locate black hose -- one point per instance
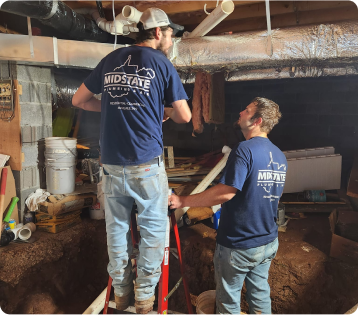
(59, 16)
(100, 9)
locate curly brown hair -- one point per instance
(269, 111)
(144, 35)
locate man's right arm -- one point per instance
(84, 99)
(180, 113)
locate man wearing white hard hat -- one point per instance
(135, 83)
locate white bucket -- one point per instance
(97, 214)
(60, 161)
(54, 158)
(205, 303)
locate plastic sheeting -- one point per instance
(65, 84)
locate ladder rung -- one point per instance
(130, 309)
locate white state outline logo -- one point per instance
(128, 77)
(270, 182)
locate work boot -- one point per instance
(122, 302)
(144, 307)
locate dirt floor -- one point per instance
(63, 273)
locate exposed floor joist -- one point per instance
(258, 10)
(285, 20)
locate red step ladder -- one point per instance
(163, 294)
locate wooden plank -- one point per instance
(10, 136)
(284, 20)
(259, 10)
(315, 208)
(217, 98)
(352, 189)
(313, 203)
(188, 172)
(170, 7)
(197, 103)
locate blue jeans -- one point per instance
(147, 186)
(233, 267)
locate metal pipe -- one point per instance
(59, 16)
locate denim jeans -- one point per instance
(233, 267)
(147, 186)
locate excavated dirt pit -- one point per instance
(63, 273)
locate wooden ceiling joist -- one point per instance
(284, 20)
(170, 7)
(258, 10)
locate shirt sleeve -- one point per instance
(94, 81)
(174, 90)
(237, 168)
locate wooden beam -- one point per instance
(285, 20)
(259, 10)
(170, 7)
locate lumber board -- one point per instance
(284, 20)
(254, 10)
(10, 136)
(197, 112)
(170, 7)
(352, 189)
(315, 208)
(313, 203)
(187, 172)
(217, 99)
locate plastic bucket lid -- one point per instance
(60, 142)
(205, 304)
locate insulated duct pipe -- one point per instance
(65, 83)
(321, 46)
(213, 19)
(59, 16)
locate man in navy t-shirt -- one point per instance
(135, 83)
(249, 190)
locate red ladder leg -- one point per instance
(164, 278)
(106, 309)
(185, 283)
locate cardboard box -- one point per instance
(59, 204)
(42, 217)
(57, 227)
(10, 192)
(344, 223)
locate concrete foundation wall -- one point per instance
(36, 124)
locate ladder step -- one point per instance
(131, 309)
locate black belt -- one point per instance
(156, 160)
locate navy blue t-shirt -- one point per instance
(257, 168)
(135, 82)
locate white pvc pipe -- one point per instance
(131, 14)
(16, 230)
(268, 17)
(119, 26)
(213, 19)
(25, 233)
(268, 20)
(98, 304)
(206, 181)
